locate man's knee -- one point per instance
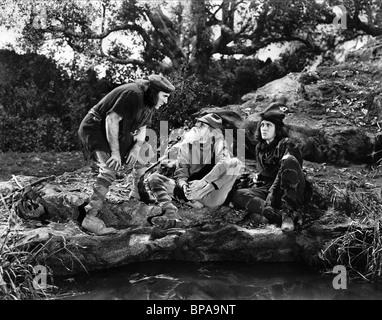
(289, 161)
(155, 179)
(241, 197)
(146, 154)
(235, 166)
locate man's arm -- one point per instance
(182, 171)
(112, 132)
(141, 136)
(221, 166)
(134, 152)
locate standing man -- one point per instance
(113, 133)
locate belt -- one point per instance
(95, 114)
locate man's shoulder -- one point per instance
(289, 141)
(128, 87)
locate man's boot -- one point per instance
(273, 215)
(169, 218)
(97, 226)
(288, 218)
(287, 224)
(137, 173)
(257, 219)
(91, 222)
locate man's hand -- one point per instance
(114, 162)
(198, 189)
(133, 155)
(197, 185)
(185, 190)
(254, 181)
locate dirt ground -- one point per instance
(54, 163)
(39, 164)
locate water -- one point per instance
(170, 280)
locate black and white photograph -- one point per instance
(191, 157)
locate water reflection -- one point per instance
(169, 280)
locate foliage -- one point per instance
(17, 271)
(30, 85)
(27, 135)
(359, 248)
(190, 96)
(42, 106)
(17, 263)
(155, 36)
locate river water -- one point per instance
(174, 280)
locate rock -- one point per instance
(334, 114)
(284, 90)
(208, 235)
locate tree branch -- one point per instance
(168, 37)
(101, 35)
(102, 54)
(249, 50)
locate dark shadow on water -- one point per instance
(174, 280)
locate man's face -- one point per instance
(162, 99)
(268, 130)
(199, 132)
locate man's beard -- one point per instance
(202, 135)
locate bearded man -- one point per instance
(205, 172)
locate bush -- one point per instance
(27, 135)
(190, 96)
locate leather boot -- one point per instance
(273, 215)
(137, 173)
(257, 219)
(97, 226)
(287, 224)
(169, 218)
(100, 189)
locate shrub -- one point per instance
(27, 135)
(190, 96)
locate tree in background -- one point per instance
(207, 48)
(41, 107)
(155, 35)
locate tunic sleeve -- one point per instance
(126, 104)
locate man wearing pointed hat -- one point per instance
(113, 133)
(205, 172)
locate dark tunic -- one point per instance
(128, 102)
(268, 157)
(279, 181)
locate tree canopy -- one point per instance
(171, 34)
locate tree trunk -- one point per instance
(202, 47)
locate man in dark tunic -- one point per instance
(280, 185)
(113, 133)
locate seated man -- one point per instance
(280, 186)
(205, 172)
